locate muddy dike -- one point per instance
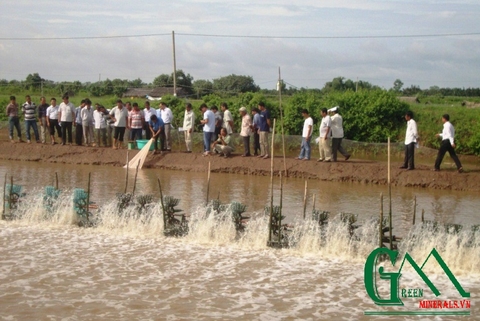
(355, 170)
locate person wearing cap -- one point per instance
(188, 125)
(255, 129)
(447, 145)
(324, 139)
(337, 135)
(208, 123)
(119, 115)
(223, 144)
(306, 136)
(246, 130)
(411, 137)
(166, 115)
(66, 117)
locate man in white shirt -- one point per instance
(245, 130)
(100, 125)
(52, 120)
(66, 116)
(337, 135)
(148, 112)
(166, 114)
(119, 115)
(208, 122)
(411, 137)
(448, 144)
(87, 123)
(305, 150)
(324, 139)
(188, 125)
(227, 118)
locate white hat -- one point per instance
(333, 109)
(243, 109)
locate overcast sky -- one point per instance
(425, 61)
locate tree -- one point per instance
(34, 81)
(162, 81)
(235, 84)
(397, 85)
(202, 87)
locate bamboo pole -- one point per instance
(305, 200)
(4, 195)
(135, 179)
(88, 195)
(313, 207)
(389, 197)
(380, 244)
(208, 183)
(280, 83)
(126, 176)
(271, 186)
(281, 206)
(10, 196)
(56, 181)
(423, 212)
(161, 202)
(414, 208)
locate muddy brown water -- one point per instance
(52, 270)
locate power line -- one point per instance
(86, 37)
(245, 36)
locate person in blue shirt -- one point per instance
(264, 130)
(255, 129)
(156, 127)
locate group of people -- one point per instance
(218, 125)
(93, 126)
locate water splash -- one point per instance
(461, 250)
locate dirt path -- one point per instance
(358, 171)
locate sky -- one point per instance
(355, 39)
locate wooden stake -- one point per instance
(126, 176)
(208, 183)
(313, 208)
(56, 181)
(281, 205)
(135, 179)
(4, 196)
(10, 196)
(271, 186)
(414, 208)
(380, 244)
(423, 212)
(280, 82)
(161, 202)
(389, 198)
(88, 196)
(305, 200)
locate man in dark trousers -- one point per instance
(411, 137)
(448, 144)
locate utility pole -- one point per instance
(174, 66)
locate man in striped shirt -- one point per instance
(29, 111)
(136, 120)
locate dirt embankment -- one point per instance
(354, 170)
